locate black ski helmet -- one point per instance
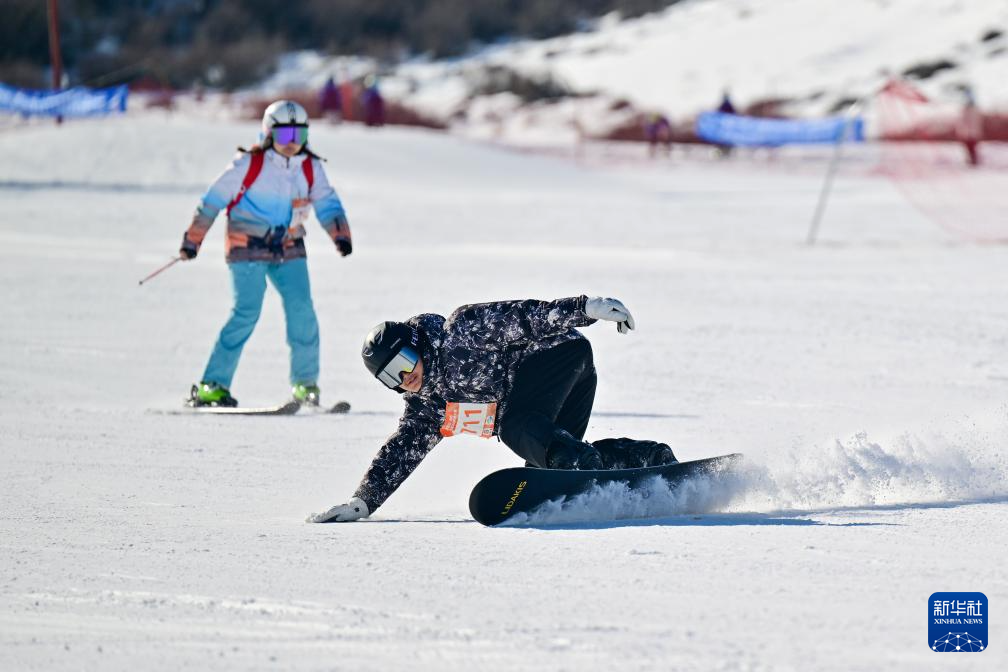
(384, 342)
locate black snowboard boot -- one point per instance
(661, 454)
(566, 452)
(625, 453)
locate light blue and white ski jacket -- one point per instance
(267, 222)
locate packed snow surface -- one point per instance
(864, 379)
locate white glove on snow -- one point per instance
(342, 513)
(613, 310)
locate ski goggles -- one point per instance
(285, 135)
(404, 362)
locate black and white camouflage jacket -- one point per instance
(472, 358)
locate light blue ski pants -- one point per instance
(249, 280)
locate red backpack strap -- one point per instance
(309, 171)
(255, 167)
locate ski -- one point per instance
(336, 409)
(507, 492)
(288, 408)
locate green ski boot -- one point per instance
(211, 394)
(306, 393)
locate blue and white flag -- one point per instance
(734, 129)
(79, 101)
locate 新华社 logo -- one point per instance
(957, 622)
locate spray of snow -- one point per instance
(903, 470)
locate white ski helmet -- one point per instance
(282, 113)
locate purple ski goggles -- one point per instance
(285, 135)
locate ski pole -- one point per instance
(163, 268)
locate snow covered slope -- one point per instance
(813, 56)
(814, 52)
(680, 60)
(865, 378)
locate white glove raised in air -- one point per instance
(613, 310)
(342, 513)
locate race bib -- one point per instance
(301, 208)
(472, 419)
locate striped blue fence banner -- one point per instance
(79, 101)
(734, 129)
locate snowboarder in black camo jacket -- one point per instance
(517, 370)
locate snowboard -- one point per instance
(507, 492)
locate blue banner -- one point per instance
(733, 129)
(79, 101)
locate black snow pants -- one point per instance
(555, 389)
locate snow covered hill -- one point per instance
(812, 56)
(816, 53)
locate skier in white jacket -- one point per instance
(267, 193)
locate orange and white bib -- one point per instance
(469, 419)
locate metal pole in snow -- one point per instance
(813, 231)
(55, 55)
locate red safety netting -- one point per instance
(938, 155)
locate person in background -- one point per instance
(726, 107)
(329, 100)
(969, 127)
(373, 103)
(267, 193)
(659, 135)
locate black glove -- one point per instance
(342, 236)
(566, 452)
(188, 249)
